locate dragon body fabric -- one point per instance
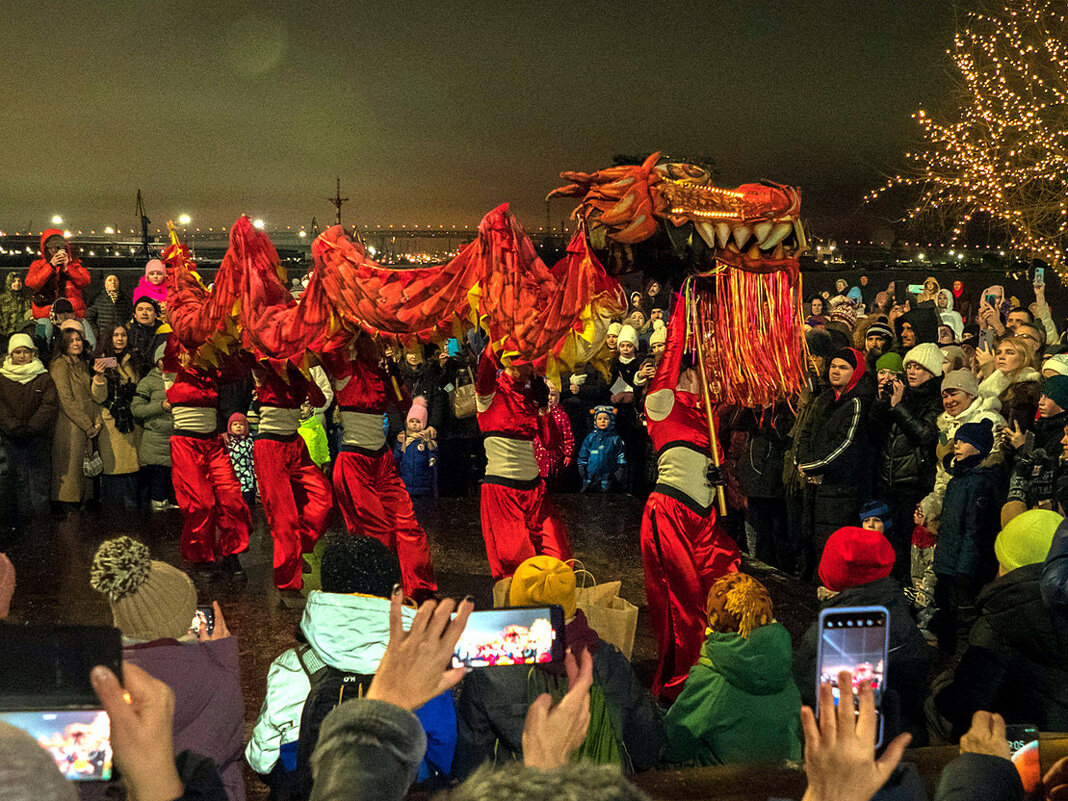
(550, 317)
(738, 249)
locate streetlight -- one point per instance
(257, 224)
(57, 220)
(109, 230)
(184, 219)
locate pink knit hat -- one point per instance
(155, 266)
(418, 410)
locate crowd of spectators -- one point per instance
(922, 470)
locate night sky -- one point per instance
(435, 116)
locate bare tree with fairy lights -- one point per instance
(1001, 152)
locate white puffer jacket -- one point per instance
(982, 408)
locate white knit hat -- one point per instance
(628, 334)
(614, 328)
(1057, 363)
(659, 335)
(20, 341)
(928, 356)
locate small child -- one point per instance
(924, 535)
(602, 456)
(314, 433)
(877, 516)
(239, 446)
(555, 453)
(416, 452)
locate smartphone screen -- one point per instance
(1023, 744)
(1040, 276)
(915, 289)
(854, 639)
(516, 636)
(79, 740)
(47, 667)
(205, 615)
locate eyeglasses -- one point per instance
(1027, 336)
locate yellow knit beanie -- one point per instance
(542, 580)
(1026, 539)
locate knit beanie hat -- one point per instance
(1027, 538)
(879, 328)
(659, 335)
(73, 324)
(890, 361)
(928, 356)
(603, 409)
(155, 266)
(1057, 363)
(962, 380)
(854, 556)
(542, 580)
(354, 563)
(27, 771)
(236, 417)
(20, 341)
(418, 410)
(979, 435)
(738, 602)
(614, 329)
(63, 306)
(819, 343)
(149, 600)
(954, 354)
(1056, 389)
(628, 334)
(881, 510)
(844, 311)
(847, 355)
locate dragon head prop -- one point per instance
(754, 227)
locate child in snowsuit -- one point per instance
(314, 433)
(239, 447)
(416, 453)
(602, 456)
(924, 536)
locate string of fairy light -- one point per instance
(1003, 155)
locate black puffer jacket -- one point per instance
(760, 465)
(907, 435)
(906, 671)
(1035, 471)
(104, 313)
(1016, 663)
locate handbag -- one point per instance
(463, 399)
(92, 464)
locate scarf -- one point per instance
(113, 294)
(22, 373)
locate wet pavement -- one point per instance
(52, 559)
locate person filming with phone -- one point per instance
(116, 371)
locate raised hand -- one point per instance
(1055, 782)
(986, 736)
(840, 749)
(552, 733)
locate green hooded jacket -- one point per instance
(740, 703)
(14, 306)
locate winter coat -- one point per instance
(908, 434)
(981, 409)
(1055, 574)
(313, 433)
(833, 449)
(47, 283)
(243, 461)
(1016, 662)
(104, 313)
(120, 438)
(143, 340)
(949, 316)
(348, 632)
(558, 448)
(979, 777)
(14, 306)
(493, 708)
(209, 709)
(970, 523)
(416, 460)
(1018, 395)
(759, 468)
(78, 416)
(906, 671)
(28, 410)
(601, 455)
(157, 423)
(1034, 473)
(739, 704)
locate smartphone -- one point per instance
(47, 667)
(105, 362)
(512, 636)
(992, 300)
(915, 289)
(857, 639)
(79, 740)
(1040, 276)
(900, 292)
(1023, 745)
(452, 347)
(205, 615)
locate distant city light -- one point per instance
(67, 234)
(302, 234)
(371, 249)
(184, 219)
(57, 220)
(257, 224)
(109, 230)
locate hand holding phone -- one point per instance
(203, 621)
(512, 636)
(1040, 277)
(854, 640)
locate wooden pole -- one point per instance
(721, 496)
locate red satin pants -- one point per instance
(518, 524)
(683, 554)
(374, 502)
(210, 499)
(297, 500)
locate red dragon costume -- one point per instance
(369, 490)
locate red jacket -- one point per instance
(505, 407)
(273, 390)
(358, 386)
(49, 284)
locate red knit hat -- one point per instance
(855, 556)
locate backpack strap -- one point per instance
(310, 661)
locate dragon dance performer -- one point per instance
(683, 553)
(518, 518)
(205, 485)
(369, 490)
(297, 498)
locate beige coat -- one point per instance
(78, 416)
(118, 451)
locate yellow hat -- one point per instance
(1026, 539)
(543, 580)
